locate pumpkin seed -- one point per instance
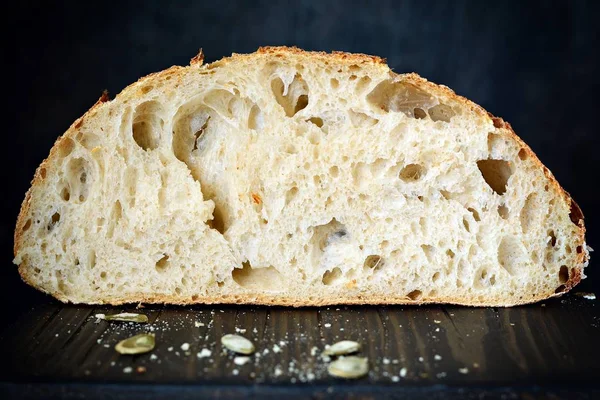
(352, 367)
(125, 317)
(137, 344)
(238, 344)
(341, 348)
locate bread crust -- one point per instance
(503, 127)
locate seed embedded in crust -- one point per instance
(341, 348)
(352, 367)
(137, 344)
(124, 317)
(237, 344)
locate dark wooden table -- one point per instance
(547, 350)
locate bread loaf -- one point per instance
(296, 178)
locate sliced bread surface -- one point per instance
(296, 178)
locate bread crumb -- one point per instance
(241, 360)
(278, 371)
(403, 372)
(170, 348)
(386, 360)
(395, 378)
(420, 359)
(276, 349)
(153, 357)
(140, 369)
(328, 325)
(464, 370)
(185, 346)
(127, 370)
(440, 375)
(437, 357)
(586, 295)
(235, 372)
(435, 321)
(198, 324)
(204, 353)
(240, 330)
(314, 350)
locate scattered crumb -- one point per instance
(87, 372)
(437, 329)
(475, 365)
(420, 359)
(586, 295)
(314, 351)
(170, 348)
(255, 330)
(327, 325)
(386, 360)
(241, 360)
(112, 363)
(204, 353)
(463, 370)
(440, 375)
(198, 324)
(153, 357)
(512, 324)
(437, 357)
(435, 321)
(278, 371)
(235, 372)
(276, 349)
(240, 330)
(140, 369)
(395, 378)
(185, 346)
(127, 370)
(106, 345)
(403, 372)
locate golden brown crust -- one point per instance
(576, 271)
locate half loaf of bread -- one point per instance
(296, 178)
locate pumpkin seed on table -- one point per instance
(124, 317)
(352, 367)
(237, 344)
(137, 344)
(341, 348)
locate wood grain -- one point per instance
(550, 345)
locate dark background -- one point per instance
(533, 63)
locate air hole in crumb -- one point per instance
(331, 277)
(429, 252)
(147, 125)
(495, 173)
(419, 113)
(441, 112)
(523, 155)
(290, 195)
(334, 83)
(450, 253)
(563, 274)
(103, 274)
(53, 221)
(466, 225)
(579, 249)
(475, 214)
(412, 173)
(43, 173)
(552, 238)
(435, 277)
(575, 214)
(503, 211)
(163, 263)
(28, 225)
(295, 98)
(220, 283)
(352, 77)
(258, 278)
(334, 171)
(568, 249)
(414, 295)
(560, 289)
(64, 193)
(65, 147)
(373, 262)
(317, 121)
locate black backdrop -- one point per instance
(533, 63)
